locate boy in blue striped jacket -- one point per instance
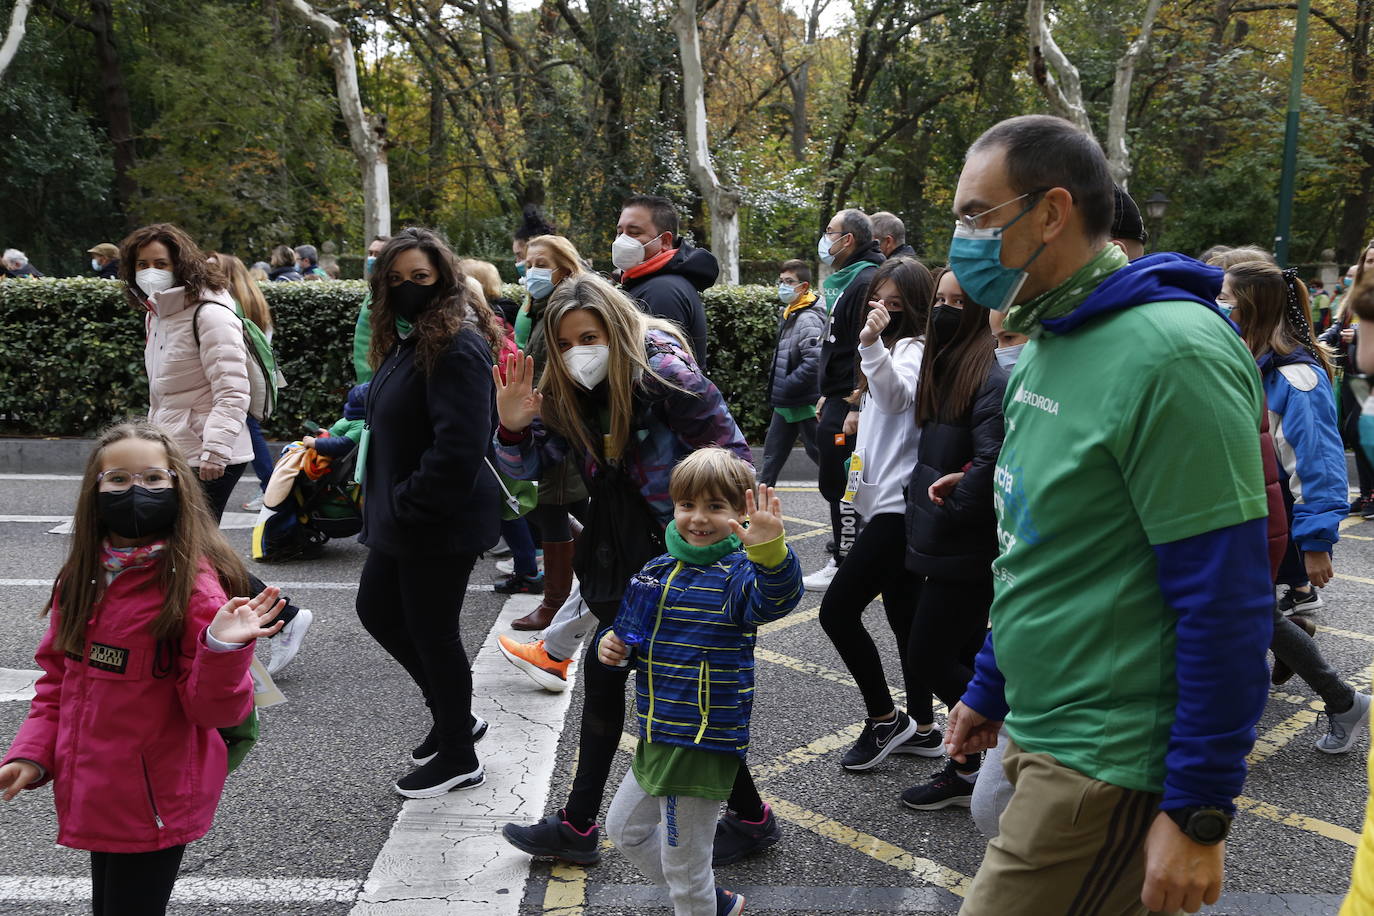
(695, 683)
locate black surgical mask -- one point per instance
(138, 512)
(944, 323)
(409, 299)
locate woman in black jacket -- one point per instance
(430, 501)
(951, 525)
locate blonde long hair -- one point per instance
(561, 251)
(1272, 308)
(194, 537)
(627, 329)
(244, 289)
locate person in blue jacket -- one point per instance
(1270, 308)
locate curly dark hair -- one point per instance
(438, 325)
(189, 265)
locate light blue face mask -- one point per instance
(368, 264)
(787, 293)
(1225, 308)
(823, 250)
(539, 282)
(975, 256)
(1007, 356)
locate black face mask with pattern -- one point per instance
(138, 512)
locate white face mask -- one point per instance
(1007, 356)
(95, 265)
(627, 252)
(588, 364)
(151, 280)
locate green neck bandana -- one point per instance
(833, 286)
(404, 328)
(679, 549)
(1067, 296)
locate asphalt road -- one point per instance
(310, 810)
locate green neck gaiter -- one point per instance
(679, 549)
(1067, 296)
(404, 328)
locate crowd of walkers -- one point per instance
(1093, 622)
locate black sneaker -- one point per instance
(1360, 504)
(1368, 509)
(877, 740)
(516, 584)
(1301, 603)
(737, 839)
(440, 776)
(555, 838)
(947, 788)
(425, 751)
(931, 744)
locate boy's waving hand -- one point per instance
(765, 518)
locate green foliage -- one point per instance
(71, 353)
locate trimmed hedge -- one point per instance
(71, 353)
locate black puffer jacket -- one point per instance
(427, 490)
(959, 539)
(674, 292)
(839, 353)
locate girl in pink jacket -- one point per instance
(143, 660)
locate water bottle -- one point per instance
(638, 607)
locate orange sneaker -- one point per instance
(531, 658)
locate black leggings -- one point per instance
(410, 605)
(833, 448)
(217, 492)
(551, 521)
(603, 719)
(133, 883)
(876, 565)
(950, 626)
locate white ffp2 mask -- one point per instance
(588, 364)
(152, 280)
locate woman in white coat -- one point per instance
(197, 365)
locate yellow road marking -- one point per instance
(1357, 537)
(1294, 819)
(805, 521)
(1355, 578)
(1351, 522)
(1278, 737)
(920, 867)
(1348, 634)
(824, 529)
(792, 620)
(566, 892)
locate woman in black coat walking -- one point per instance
(951, 524)
(430, 501)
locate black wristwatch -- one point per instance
(1205, 826)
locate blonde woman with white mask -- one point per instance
(622, 396)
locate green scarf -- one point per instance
(679, 549)
(1067, 296)
(833, 286)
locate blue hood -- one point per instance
(356, 406)
(1271, 361)
(1163, 277)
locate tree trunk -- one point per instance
(366, 133)
(10, 47)
(1052, 70)
(118, 111)
(1118, 153)
(1355, 214)
(723, 201)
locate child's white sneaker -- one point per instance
(288, 642)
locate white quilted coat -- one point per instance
(199, 396)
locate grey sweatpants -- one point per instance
(1293, 645)
(992, 791)
(574, 620)
(670, 840)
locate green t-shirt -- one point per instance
(797, 414)
(1140, 428)
(362, 340)
(667, 769)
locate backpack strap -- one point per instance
(195, 318)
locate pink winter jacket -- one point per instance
(199, 396)
(127, 732)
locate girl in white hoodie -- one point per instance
(890, 349)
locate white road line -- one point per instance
(40, 476)
(17, 684)
(58, 889)
(284, 586)
(446, 855)
(41, 519)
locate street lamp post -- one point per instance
(1290, 139)
(1155, 206)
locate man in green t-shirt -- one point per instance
(1134, 603)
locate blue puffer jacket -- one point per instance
(1302, 418)
(796, 377)
(695, 683)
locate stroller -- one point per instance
(309, 500)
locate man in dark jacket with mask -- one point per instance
(890, 233)
(849, 247)
(663, 273)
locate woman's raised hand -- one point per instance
(517, 400)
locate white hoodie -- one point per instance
(888, 435)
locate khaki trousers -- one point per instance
(1068, 845)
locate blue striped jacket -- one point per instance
(695, 673)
